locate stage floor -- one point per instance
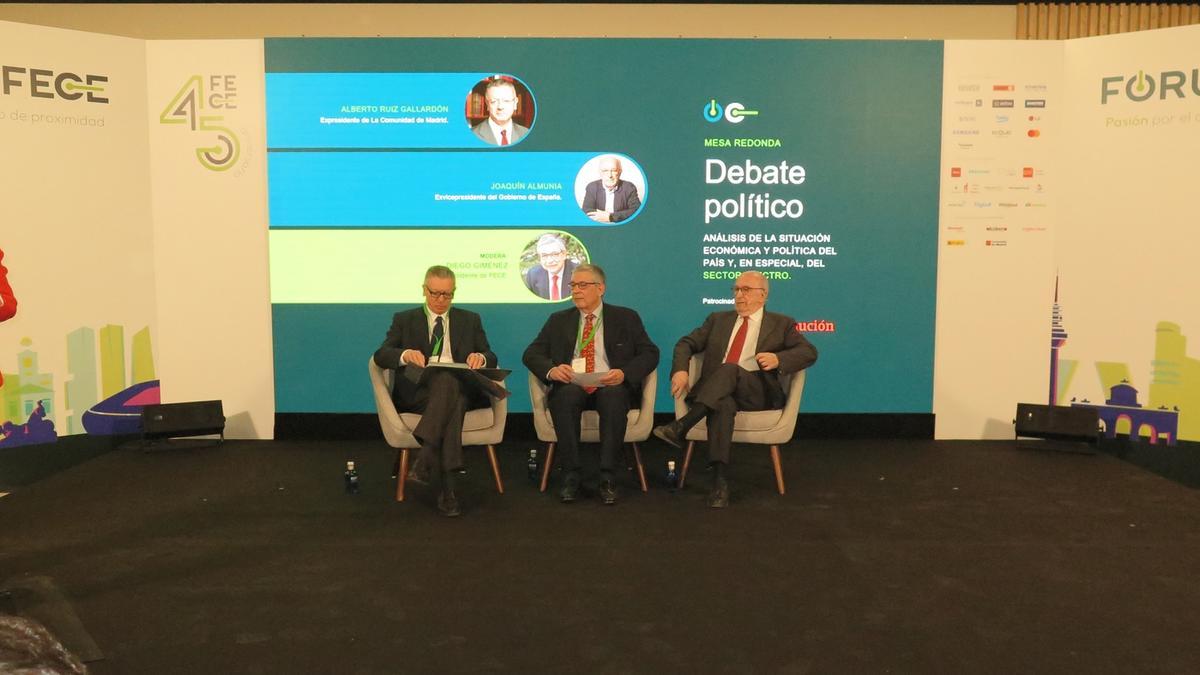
(883, 556)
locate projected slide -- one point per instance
(514, 161)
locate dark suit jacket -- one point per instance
(626, 345)
(484, 131)
(410, 330)
(538, 280)
(777, 335)
(625, 201)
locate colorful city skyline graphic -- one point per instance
(1174, 387)
(104, 386)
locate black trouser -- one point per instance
(443, 401)
(567, 403)
(724, 392)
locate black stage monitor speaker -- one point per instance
(169, 420)
(1069, 428)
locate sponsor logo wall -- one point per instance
(1065, 265)
(999, 201)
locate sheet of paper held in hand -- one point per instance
(589, 379)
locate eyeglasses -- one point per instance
(582, 284)
(746, 289)
(552, 254)
(439, 295)
(501, 101)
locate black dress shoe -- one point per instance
(419, 471)
(569, 492)
(671, 433)
(608, 493)
(448, 504)
(718, 497)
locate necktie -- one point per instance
(589, 349)
(504, 137)
(739, 341)
(554, 291)
(439, 333)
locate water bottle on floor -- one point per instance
(672, 477)
(532, 465)
(351, 479)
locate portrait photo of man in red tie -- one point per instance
(550, 275)
(508, 107)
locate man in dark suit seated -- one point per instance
(591, 337)
(436, 332)
(551, 277)
(610, 199)
(745, 351)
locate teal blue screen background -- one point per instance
(862, 117)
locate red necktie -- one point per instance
(739, 341)
(504, 137)
(554, 291)
(589, 350)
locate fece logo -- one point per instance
(733, 113)
(187, 107)
(1142, 86)
(45, 83)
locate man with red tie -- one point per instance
(499, 128)
(591, 337)
(745, 351)
(551, 277)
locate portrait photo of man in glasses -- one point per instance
(550, 276)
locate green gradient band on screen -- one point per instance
(386, 266)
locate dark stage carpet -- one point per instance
(884, 557)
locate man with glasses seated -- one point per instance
(591, 337)
(551, 277)
(436, 332)
(499, 128)
(745, 351)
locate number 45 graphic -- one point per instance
(187, 108)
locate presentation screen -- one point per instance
(675, 165)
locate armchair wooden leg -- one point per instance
(778, 468)
(687, 459)
(400, 477)
(547, 463)
(495, 469)
(637, 457)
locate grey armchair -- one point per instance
(480, 427)
(766, 427)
